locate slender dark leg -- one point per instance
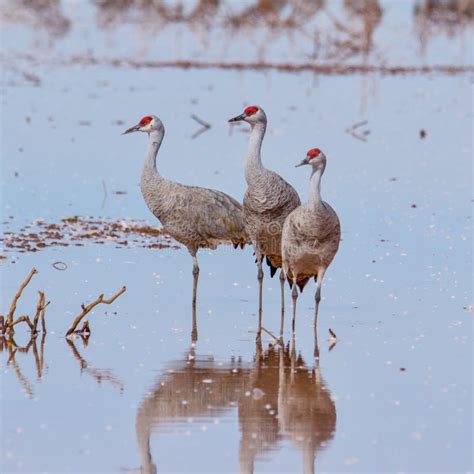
(194, 332)
(294, 295)
(319, 280)
(260, 290)
(282, 324)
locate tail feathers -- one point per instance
(272, 268)
(301, 283)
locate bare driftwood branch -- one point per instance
(88, 308)
(43, 321)
(17, 297)
(22, 319)
(40, 307)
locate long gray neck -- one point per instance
(315, 187)
(155, 138)
(253, 161)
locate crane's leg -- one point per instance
(260, 290)
(282, 284)
(294, 295)
(319, 280)
(194, 333)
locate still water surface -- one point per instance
(393, 395)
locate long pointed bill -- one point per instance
(135, 128)
(238, 118)
(304, 162)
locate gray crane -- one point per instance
(196, 217)
(311, 236)
(267, 202)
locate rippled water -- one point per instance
(393, 395)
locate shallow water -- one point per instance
(393, 395)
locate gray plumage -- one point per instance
(196, 217)
(268, 201)
(311, 235)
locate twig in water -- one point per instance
(88, 308)
(277, 340)
(21, 319)
(352, 130)
(204, 126)
(16, 298)
(332, 339)
(104, 187)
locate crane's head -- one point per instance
(147, 124)
(316, 158)
(252, 115)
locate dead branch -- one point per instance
(43, 321)
(39, 306)
(17, 297)
(88, 308)
(200, 121)
(204, 126)
(22, 319)
(352, 130)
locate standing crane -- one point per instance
(310, 238)
(196, 217)
(267, 202)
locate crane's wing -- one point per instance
(211, 215)
(271, 196)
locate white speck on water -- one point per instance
(207, 381)
(417, 435)
(351, 461)
(268, 406)
(184, 402)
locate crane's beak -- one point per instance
(304, 162)
(238, 118)
(135, 128)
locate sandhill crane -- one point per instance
(267, 202)
(196, 217)
(311, 236)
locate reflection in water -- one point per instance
(278, 397)
(449, 17)
(339, 32)
(9, 344)
(100, 375)
(40, 14)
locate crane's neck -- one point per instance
(253, 160)
(315, 187)
(155, 138)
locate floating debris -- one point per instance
(76, 231)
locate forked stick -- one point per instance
(88, 308)
(17, 297)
